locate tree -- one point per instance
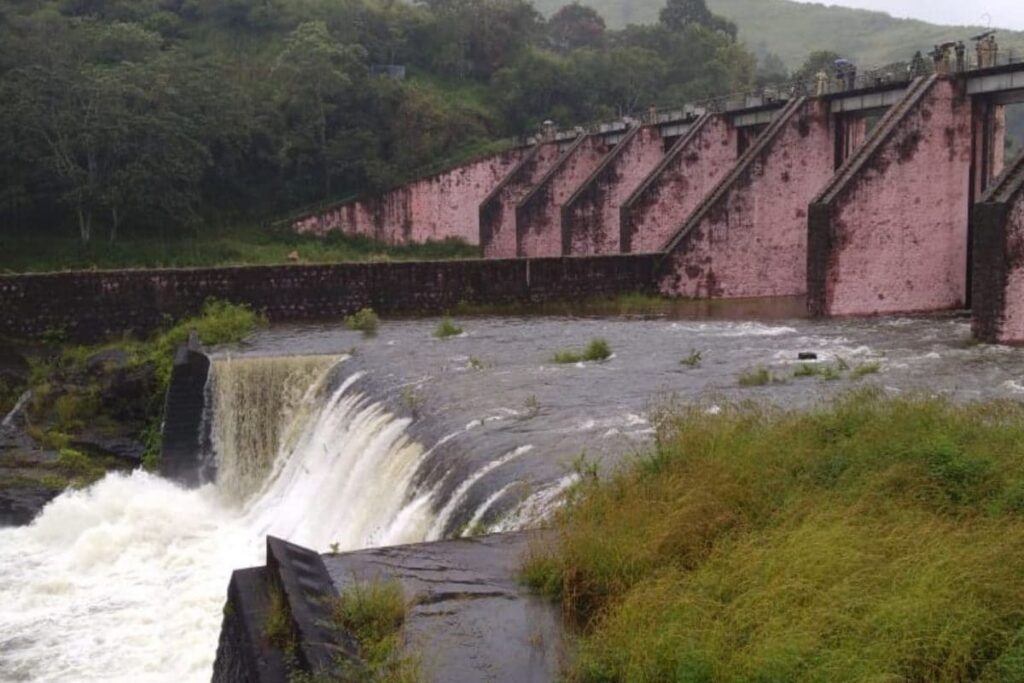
(316, 75)
(822, 60)
(575, 26)
(679, 14)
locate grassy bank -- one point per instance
(231, 248)
(874, 539)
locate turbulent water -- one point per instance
(409, 438)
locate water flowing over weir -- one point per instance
(125, 580)
(410, 438)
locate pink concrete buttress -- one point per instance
(889, 233)
(497, 211)
(539, 213)
(590, 218)
(434, 208)
(749, 238)
(678, 184)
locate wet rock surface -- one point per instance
(471, 619)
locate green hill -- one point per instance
(792, 30)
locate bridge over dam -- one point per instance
(888, 195)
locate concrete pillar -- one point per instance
(590, 218)
(539, 215)
(998, 253)
(439, 206)
(497, 212)
(889, 233)
(748, 239)
(678, 184)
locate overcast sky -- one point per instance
(1003, 13)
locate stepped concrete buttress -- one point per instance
(678, 184)
(889, 232)
(749, 237)
(539, 213)
(998, 254)
(590, 218)
(434, 208)
(497, 211)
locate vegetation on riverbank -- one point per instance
(255, 246)
(100, 407)
(872, 539)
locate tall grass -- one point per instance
(871, 540)
(373, 613)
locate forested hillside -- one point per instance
(130, 118)
(791, 30)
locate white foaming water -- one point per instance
(125, 581)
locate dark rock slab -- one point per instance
(243, 653)
(472, 620)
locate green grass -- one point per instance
(597, 350)
(364, 320)
(257, 246)
(447, 328)
(872, 539)
(374, 613)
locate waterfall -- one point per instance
(125, 580)
(257, 407)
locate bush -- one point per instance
(446, 328)
(597, 350)
(365, 320)
(693, 360)
(871, 539)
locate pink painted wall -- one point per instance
(1012, 326)
(539, 215)
(497, 212)
(753, 241)
(677, 186)
(899, 228)
(434, 208)
(590, 220)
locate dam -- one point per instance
(336, 442)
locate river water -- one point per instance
(329, 438)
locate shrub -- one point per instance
(597, 350)
(693, 360)
(446, 328)
(807, 370)
(364, 320)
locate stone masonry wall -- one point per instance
(752, 242)
(92, 305)
(897, 232)
(497, 212)
(689, 171)
(441, 206)
(590, 220)
(539, 214)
